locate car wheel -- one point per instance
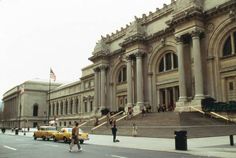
(43, 138)
(64, 139)
(54, 138)
(35, 138)
(81, 141)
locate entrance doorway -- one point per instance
(122, 102)
(168, 97)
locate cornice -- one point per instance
(160, 34)
(218, 10)
(190, 14)
(132, 40)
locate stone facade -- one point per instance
(173, 57)
(26, 104)
(74, 101)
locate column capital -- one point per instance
(96, 69)
(103, 67)
(196, 34)
(179, 39)
(128, 57)
(139, 54)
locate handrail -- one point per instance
(211, 113)
(197, 109)
(106, 121)
(218, 115)
(84, 123)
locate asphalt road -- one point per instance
(26, 147)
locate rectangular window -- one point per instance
(231, 86)
(91, 105)
(85, 107)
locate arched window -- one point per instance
(168, 62)
(35, 110)
(122, 75)
(230, 45)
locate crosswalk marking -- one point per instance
(118, 156)
(5, 146)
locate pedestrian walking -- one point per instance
(75, 139)
(114, 131)
(134, 130)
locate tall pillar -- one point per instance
(150, 86)
(129, 82)
(232, 43)
(199, 94)
(96, 88)
(103, 76)
(181, 69)
(139, 84)
(51, 109)
(59, 107)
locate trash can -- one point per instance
(181, 140)
(16, 131)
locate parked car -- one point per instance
(45, 132)
(65, 134)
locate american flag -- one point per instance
(52, 75)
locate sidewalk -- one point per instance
(210, 146)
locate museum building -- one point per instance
(172, 57)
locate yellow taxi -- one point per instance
(45, 132)
(65, 134)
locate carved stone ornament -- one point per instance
(134, 29)
(101, 48)
(210, 27)
(232, 15)
(182, 5)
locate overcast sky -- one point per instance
(38, 34)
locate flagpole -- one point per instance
(49, 91)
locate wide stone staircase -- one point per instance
(164, 124)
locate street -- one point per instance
(25, 147)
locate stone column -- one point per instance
(51, 109)
(129, 82)
(181, 69)
(232, 43)
(150, 86)
(174, 95)
(96, 88)
(103, 85)
(139, 77)
(199, 94)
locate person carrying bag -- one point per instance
(75, 139)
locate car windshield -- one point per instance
(69, 129)
(51, 129)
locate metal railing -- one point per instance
(213, 114)
(106, 121)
